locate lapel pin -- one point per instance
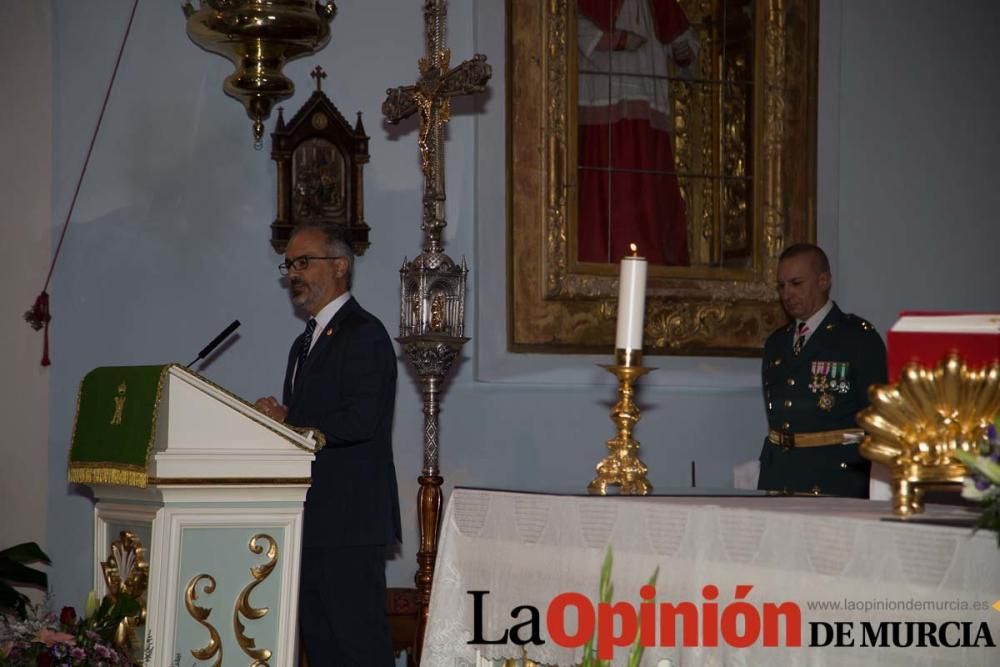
(329, 332)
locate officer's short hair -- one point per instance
(799, 249)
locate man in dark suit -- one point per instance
(816, 374)
(341, 379)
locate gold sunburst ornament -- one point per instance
(126, 572)
(917, 426)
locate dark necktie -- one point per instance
(306, 344)
(800, 338)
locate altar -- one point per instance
(746, 580)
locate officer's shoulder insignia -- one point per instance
(859, 322)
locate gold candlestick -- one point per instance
(622, 466)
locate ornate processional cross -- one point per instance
(431, 97)
(432, 298)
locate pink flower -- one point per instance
(50, 637)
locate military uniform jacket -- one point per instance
(821, 389)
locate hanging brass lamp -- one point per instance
(259, 37)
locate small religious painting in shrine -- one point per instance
(319, 177)
(320, 160)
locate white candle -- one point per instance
(631, 302)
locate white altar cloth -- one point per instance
(526, 548)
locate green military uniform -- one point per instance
(821, 389)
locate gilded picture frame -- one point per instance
(558, 304)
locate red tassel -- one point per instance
(45, 347)
(38, 317)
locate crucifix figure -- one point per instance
(432, 299)
(431, 97)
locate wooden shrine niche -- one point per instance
(320, 160)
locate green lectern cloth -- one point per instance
(115, 425)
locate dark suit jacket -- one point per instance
(347, 389)
(846, 355)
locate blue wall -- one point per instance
(170, 237)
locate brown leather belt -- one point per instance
(816, 439)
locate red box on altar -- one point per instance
(928, 337)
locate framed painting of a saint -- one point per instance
(628, 186)
(686, 127)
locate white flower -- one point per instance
(971, 490)
(989, 469)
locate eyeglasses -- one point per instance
(300, 263)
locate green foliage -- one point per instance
(635, 655)
(983, 483)
(14, 572)
(111, 612)
(606, 593)
(606, 590)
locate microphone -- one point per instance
(215, 342)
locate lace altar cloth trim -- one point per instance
(527, 548)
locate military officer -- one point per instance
(816, 373)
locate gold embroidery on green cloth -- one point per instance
(119, 404)
(113, 438)
(116, 450)
(80, 473)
